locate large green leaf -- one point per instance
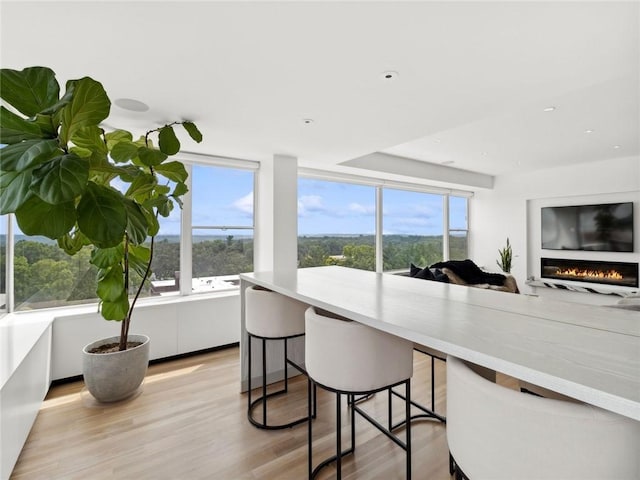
(139, 256)
(73, 242)
(14, 190)
(124, 151)
(90, 105)
(161, 203)
(31, 90)
(116, 310)
(179, 190)
(107, 257)
(117, 136)
(102, 216)
(111, 283)
(61, 179)
(48, 125)
(100, 165)
(14, 129)
(141, 186)
(27, 154)
(167, 140)
(162, 189)
(54, 110)
(136, 222)
(151, 157)
(89, 138)
(152, 221)
(174, 171)
(193, 131)
(36, 217)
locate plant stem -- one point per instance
(127, 321)
(124, 325)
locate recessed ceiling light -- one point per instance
(307, 121)
(616, 146)
(549, 109)
(389, 75)
(588, 131)
(131, 104)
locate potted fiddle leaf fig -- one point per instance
(65, 177)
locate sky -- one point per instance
(224, 197)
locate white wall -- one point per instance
(177, 325)
(503, 211)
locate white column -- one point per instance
(379, 231)
(276, 237)
(445, 227)
(276, 249)
(186, 237)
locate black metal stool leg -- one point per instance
(433, 382)
(253, 404)
(264, 381)
(338, 436)
(353, 424)
(407, 408)
(310, 426)
(250, 338)
(286, 367)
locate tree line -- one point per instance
(46, 276)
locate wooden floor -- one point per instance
(189, 422)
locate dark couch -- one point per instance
(465, 272)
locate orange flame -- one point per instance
(596, 274)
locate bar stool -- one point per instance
(427, 413)
(499, 433)
(270, 316)
(347, 357)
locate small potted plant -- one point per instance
(66, 178)
(506, 254)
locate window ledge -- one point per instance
(20, 331)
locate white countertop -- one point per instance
(586, 352)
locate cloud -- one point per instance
(244, 204)
(310, 204)
(362, 209)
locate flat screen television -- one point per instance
(606, 227)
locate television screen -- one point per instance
(606, 227)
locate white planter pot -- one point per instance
(110, 377)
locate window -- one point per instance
(458, 228)
(165, 264)
(45, 276)
(222, 226)
(222, 247)
(336, 224)
(412, 228)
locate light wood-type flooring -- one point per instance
(189, 422)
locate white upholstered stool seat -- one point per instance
(270, 316)
(497, 433)
(347, 357)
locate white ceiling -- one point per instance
(473, 77)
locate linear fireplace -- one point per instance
(610, 273)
